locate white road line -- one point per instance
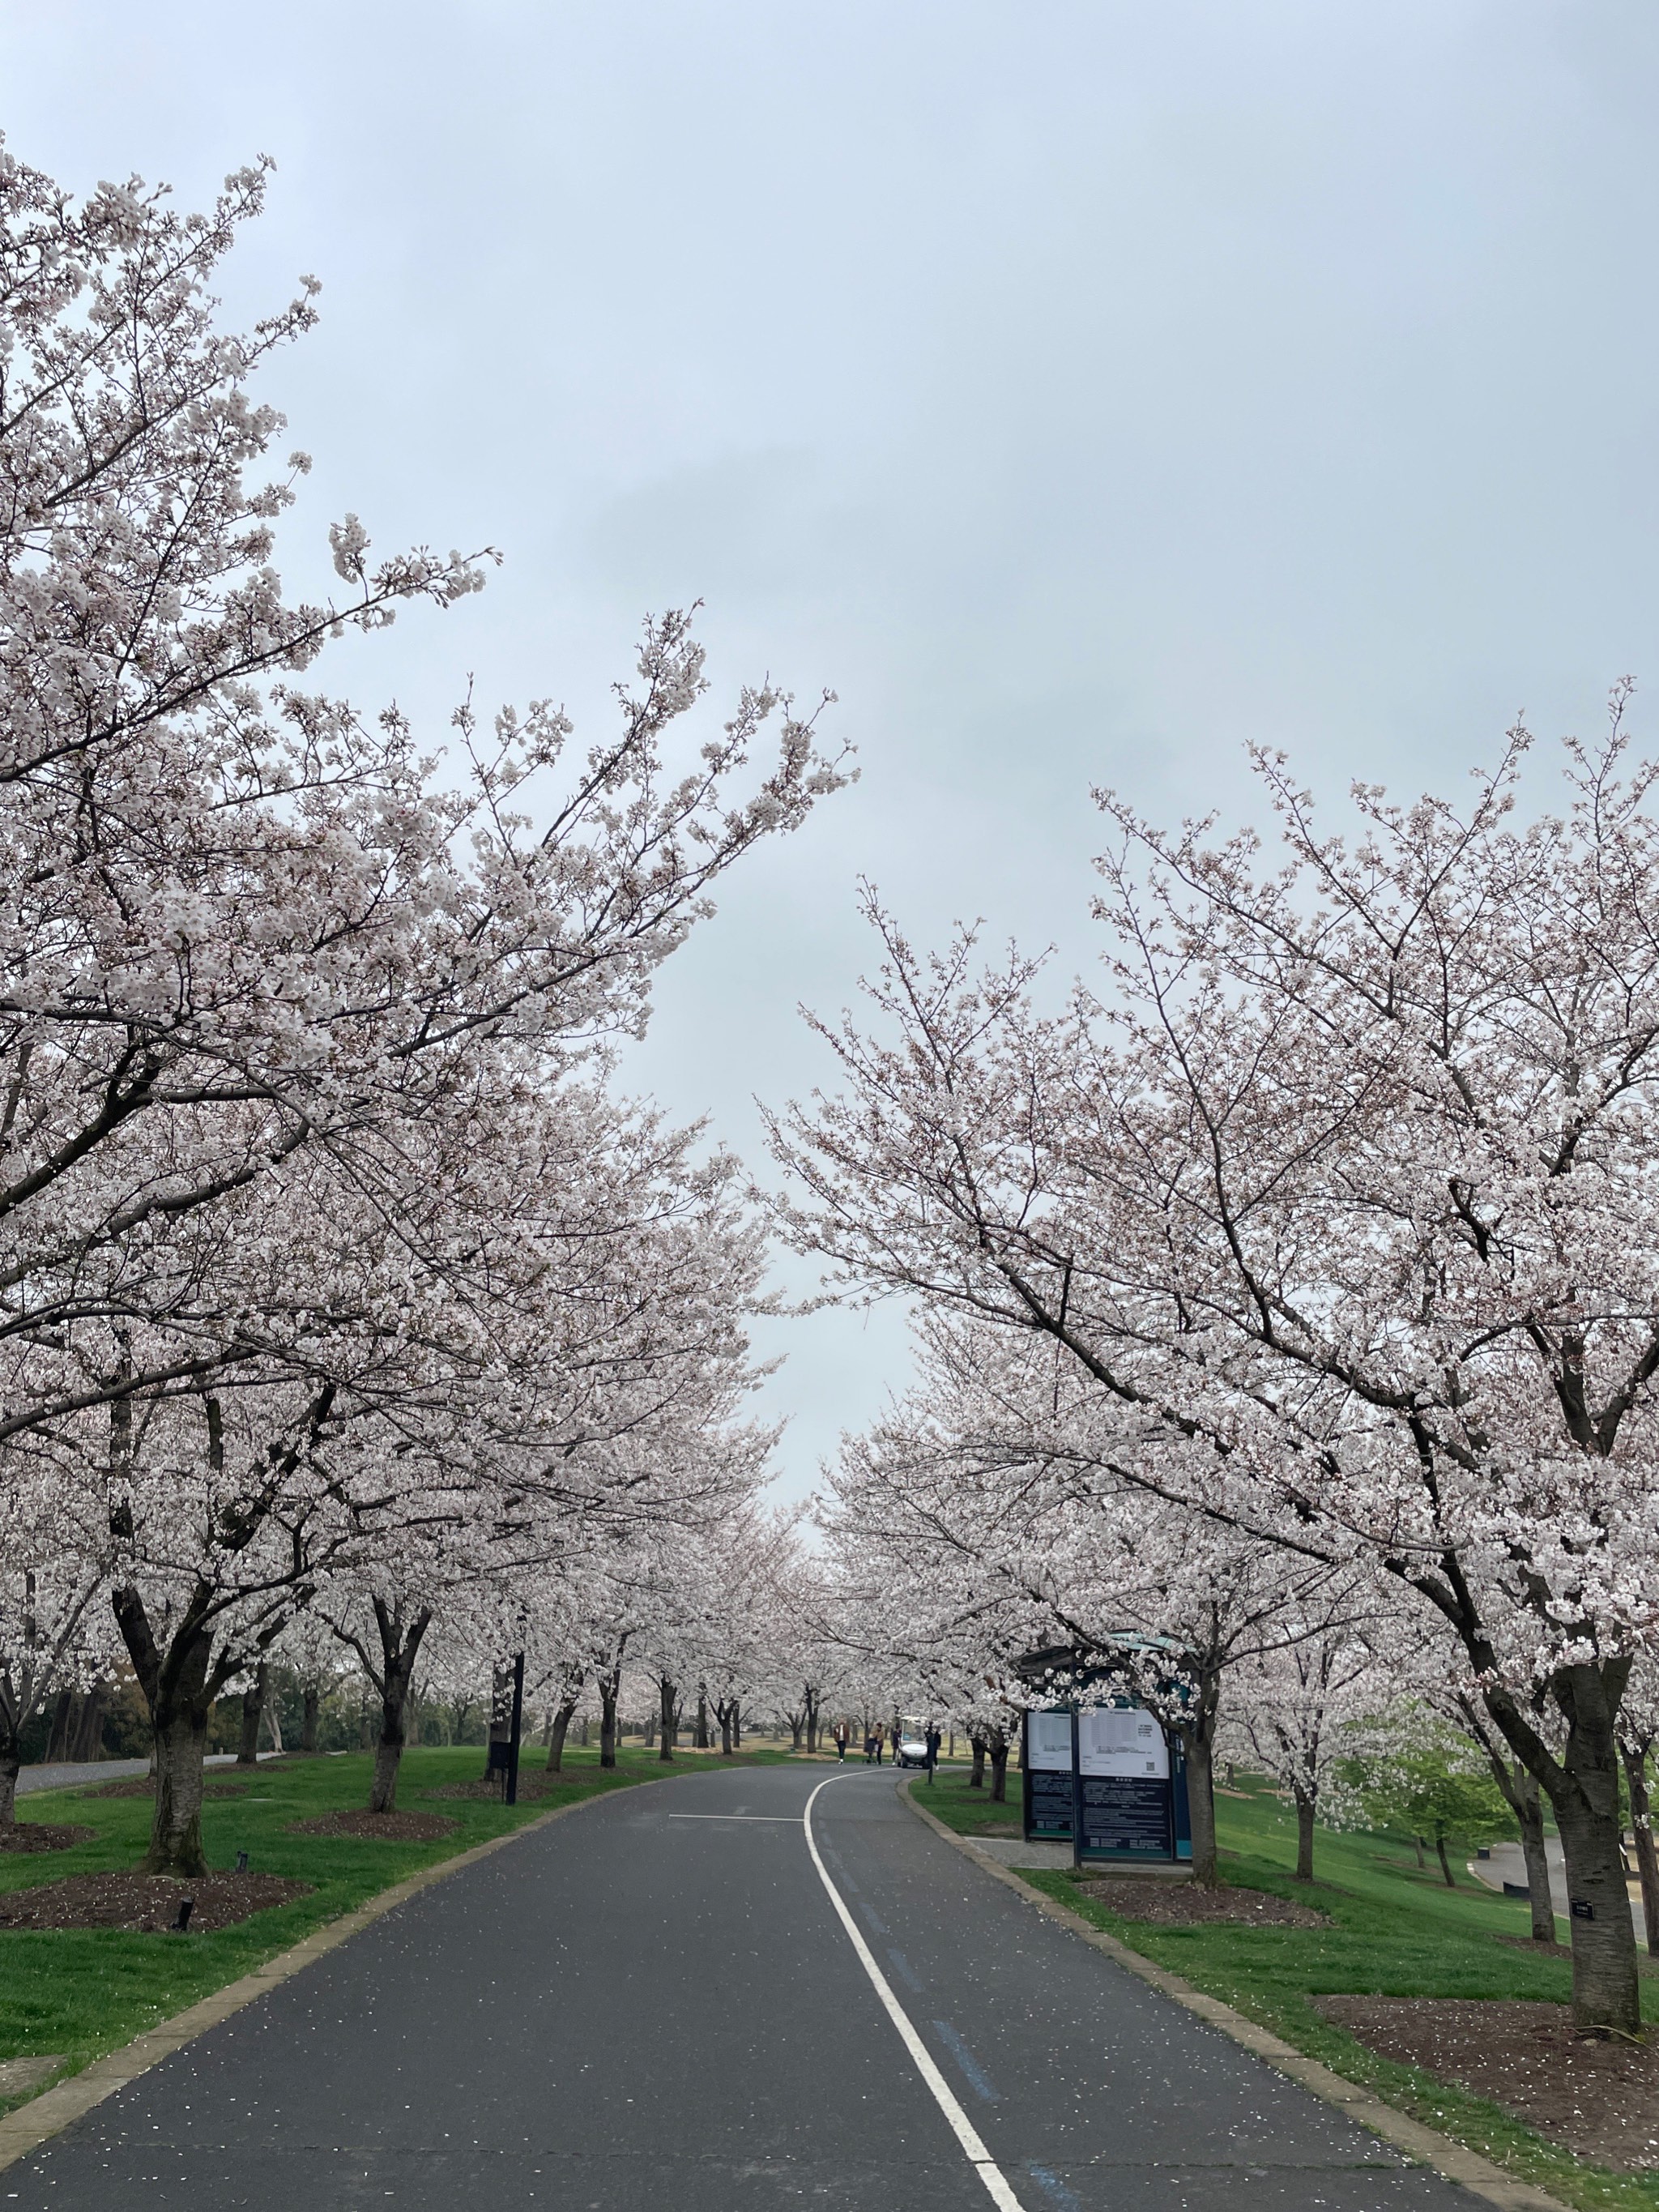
(777, 1820)
(962, 2128)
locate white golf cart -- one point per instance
(912, 1740)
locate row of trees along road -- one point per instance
(340, 1291)
(1299, 1285)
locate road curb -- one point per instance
(1426, 2145)
(52, 2110)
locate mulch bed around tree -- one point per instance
(378, 1827)
(1599, 2098)
(43, 1836)
(530, 1785)
(143, 1785)
(146, 1902)
(1180, 1905)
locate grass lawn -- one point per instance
(1396, 1932)
(970, 1812)
(83, 1992)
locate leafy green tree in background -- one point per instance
(1415, 1775)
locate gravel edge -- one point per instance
(1452, 2160)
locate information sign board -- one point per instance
(1046, 1784)
(1108, 1779)
(1121, 1741)
(1124, 1816)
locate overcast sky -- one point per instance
(1081, 388)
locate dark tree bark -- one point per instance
(1304, 1834)
(700, 1732)
(609, 1685)
(1197, 1733)
(88, 1743)
(312, 1705)
(63, 1721)
(389, 1664)
(253, 1706)
(1521, 1792)
(181, 1678)
(998, 1747)
(809, 1703)
(1529, 1814)
(180, 1683)
(1641, 1820)
(1583, 1788)
(667, 1711)
(1445, 1864)
(976, 1771)
(558, 1732)
(796, 1730)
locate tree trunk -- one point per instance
(811, 1701)
(1605, 1993)
(666, 1696)
(557, 1733)
(976, 1771)
(1440, 1853)
(1304, 1834)
(609, 1685)
(737, 1724)
(700, 1734)
(9, 1765)
(179, 1685)
(1422, 1863)
(89, 1729)
(1641, 1820)
(175, 1838)
(1529, 1814)
(1521, 1794)
(1197, 1739)
(400, 1647)
(999, 1750)
(58, 1737)
(313, 1707)
(796, 1730)
(253, 1704)
(1583, 1788)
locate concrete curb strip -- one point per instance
(50, 2113)
(1427, 2145)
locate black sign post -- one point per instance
(517, 1730)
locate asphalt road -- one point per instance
(653, 2006)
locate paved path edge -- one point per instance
(31, 2125)
(1427, 2145)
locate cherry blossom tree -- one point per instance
(245, 918)
(1338, 1194)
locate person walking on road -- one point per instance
(840, 1741)
(934, 1741)
(869, 1748)
(881, 1745)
